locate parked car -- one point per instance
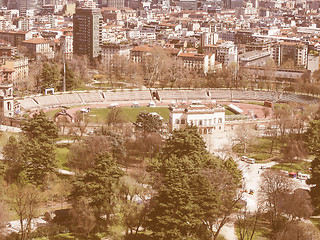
(114, 105)
(152, 104)
(135, 105)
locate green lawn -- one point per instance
(255, 103)
(99, 115)
(61, 156)
(228, 112)
(259, 149)
(261, 232)
(316, 222)
(51, 114)
(302, 167)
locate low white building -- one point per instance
(209, 118)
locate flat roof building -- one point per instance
(87, 32)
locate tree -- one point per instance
(50, 76)
(134, 197)
(148, 122)
(82, 154)
(245, 134)
(297, 230)
(232, 167)
(81, 121)
(312, 136)
(293, 150)
(247, 224)
(98, 186)
(296, 204)
(195, 196)
(115, 117)
(12, 159)
(38, 147)
(272, 132)
(4, 214)
(39, 127)
(82, 217)
(266, 112)
(71, 80)
(315, 180)
(173, 211)
(154, 66)
(186, 143)
(274, 185)
(25, 201)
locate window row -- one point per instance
(200, 122)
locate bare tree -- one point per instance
(154, 66)
(293, 150)
(81, 121)
(82, 153)
(244, 135)
(115, 117)
(273, 185)
(224, 185)
(272, 132)
(298, 230)
(247, 224)
(25, 201)
(297, 205)
(266, 112)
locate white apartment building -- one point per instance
(67, 45)
(227, 53)
(208, 118)
(110, 50)
(39, 47)
(20, 66)
(201, 63)
(287, 51)
(313, 62)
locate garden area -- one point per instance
(260, 149)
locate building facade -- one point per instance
(39, 48)
(208, 118)
(87, 32)
(296, 52)
(20, 68)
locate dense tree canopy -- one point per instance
(192, 191)
(312, 136)
(98, 185)
(148, 122)
(50, 76)
(33, 155)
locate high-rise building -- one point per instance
(24, 5)
(116, 3)
(87, 32)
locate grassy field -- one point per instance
(99, 115)
(254, 103)
(259, 149)
(61, 156)
(316, 222)
(302, 167)
(51, 114)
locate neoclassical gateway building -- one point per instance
(208, 117)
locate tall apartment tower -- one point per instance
(24, 5)
(87, 32)
(116, 3)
